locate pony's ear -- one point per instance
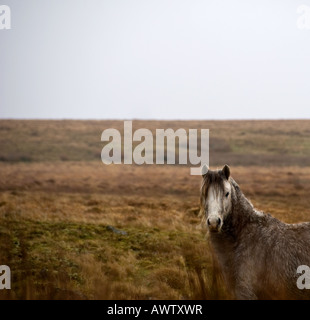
(204, 170)
(226, 171)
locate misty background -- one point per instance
(155, 59)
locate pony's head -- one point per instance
(215, 197)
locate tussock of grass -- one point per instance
(52, 259)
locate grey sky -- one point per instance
(163, 59)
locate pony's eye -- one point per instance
(227, 194)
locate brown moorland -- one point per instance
(74, 228)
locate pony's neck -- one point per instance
(242, 212)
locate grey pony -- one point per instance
(258, 254)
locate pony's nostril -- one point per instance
(208, 222)
(219, 221)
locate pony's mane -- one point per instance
(214, 178)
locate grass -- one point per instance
(58, 258)
(58, 216)
(239, 142)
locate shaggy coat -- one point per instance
(257, 254)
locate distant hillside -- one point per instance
(234, 142)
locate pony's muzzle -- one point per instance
(214, 223)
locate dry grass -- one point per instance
(55, 214)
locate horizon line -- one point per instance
(152, 119)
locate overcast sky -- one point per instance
(155, 59)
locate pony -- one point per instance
(259, 256)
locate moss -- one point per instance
(57, 246)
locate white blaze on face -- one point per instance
(218, 205)
(214, 202)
